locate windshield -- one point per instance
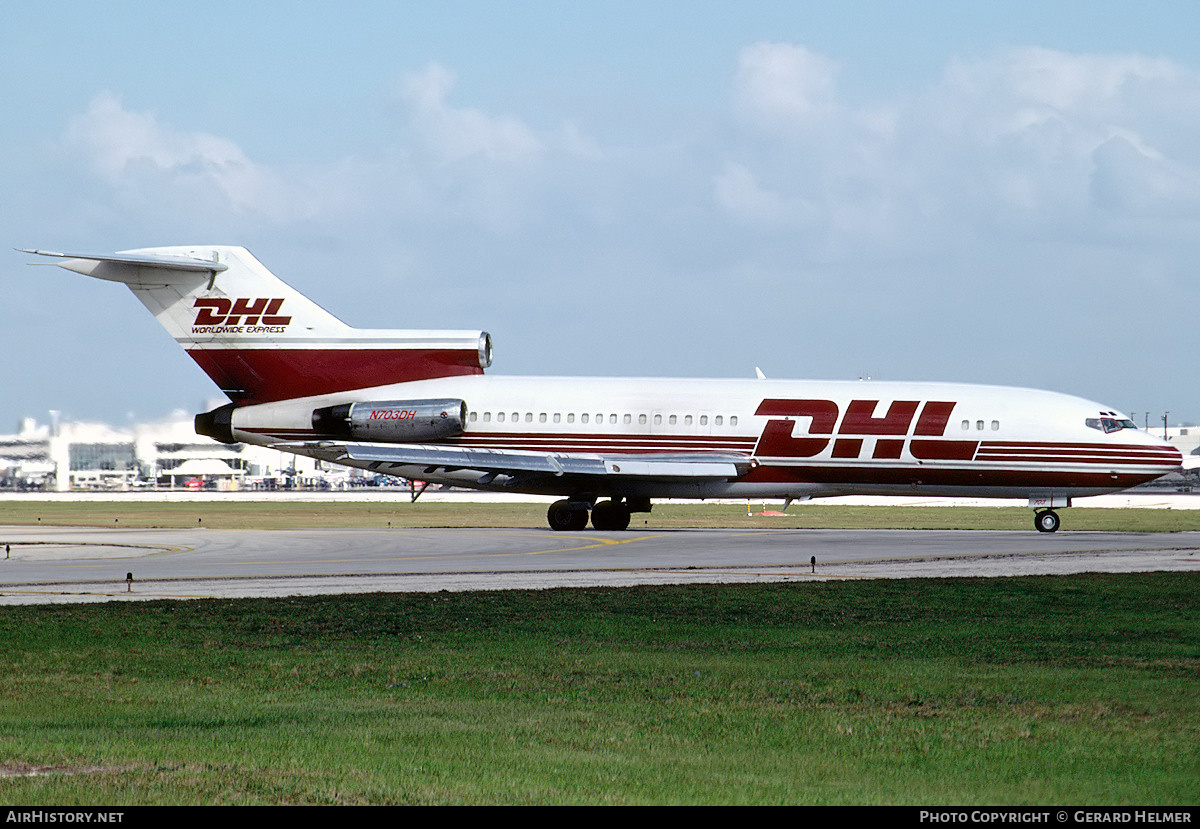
(1109, 424)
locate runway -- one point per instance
(62, 565)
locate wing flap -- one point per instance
(694, 466)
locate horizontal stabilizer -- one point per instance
(164, 261)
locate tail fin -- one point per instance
(259, 339)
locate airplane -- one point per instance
(417, 404)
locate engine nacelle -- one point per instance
(392, 421)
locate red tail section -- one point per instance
(263, 375)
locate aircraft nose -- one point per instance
(1176, 457)
(1163, 455)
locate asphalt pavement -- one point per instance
(53, 565)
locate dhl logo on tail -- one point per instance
(227, 315)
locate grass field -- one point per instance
(817, 515)
(1070, 690)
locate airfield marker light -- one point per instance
(813, 561)
(129, 582)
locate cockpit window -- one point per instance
(1109, 424)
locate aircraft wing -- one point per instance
(674, 466)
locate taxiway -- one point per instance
(56, 565)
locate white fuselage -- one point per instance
(803, 438)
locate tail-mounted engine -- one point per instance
(392, 421)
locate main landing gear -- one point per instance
(610, 515)
(567, 515)
(1046, 521)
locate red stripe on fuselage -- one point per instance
(1078, 449)
(926, 477)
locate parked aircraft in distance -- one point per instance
(417, 404)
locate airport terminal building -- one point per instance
(59, 457)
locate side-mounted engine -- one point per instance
(392, 421)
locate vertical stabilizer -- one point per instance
(259, 339)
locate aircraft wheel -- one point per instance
(1046, 521)
(565, 517)
(610, 515)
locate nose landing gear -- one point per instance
(1046, 521)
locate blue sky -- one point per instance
(996, 193)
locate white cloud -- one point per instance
(1085, 145)
(747, 201)
(452, 133)
(1027, 142)
(1023, 141)
(1134, 180)
(133, 151)
(1050, 82)
(453, 165)
(784, 86)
